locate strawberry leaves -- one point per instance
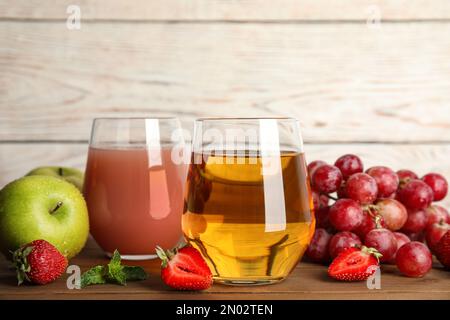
(114, 272)
(21, 263)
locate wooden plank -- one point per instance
(244, 10)
(307, 281)
(344, 82)
(17, 159)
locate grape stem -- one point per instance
(373, 212)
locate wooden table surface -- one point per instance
(307, 281)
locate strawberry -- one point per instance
(443, 250)
(39, 262)
(184, 269)
(354, 264)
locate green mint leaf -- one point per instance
(113, 272)
(115, 259)
(116, 275)
(94, 275)
(133, 273)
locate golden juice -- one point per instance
(250, 216)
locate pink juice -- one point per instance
(135, 199)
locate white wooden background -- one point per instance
(378, 90)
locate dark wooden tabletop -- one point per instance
(307, 281)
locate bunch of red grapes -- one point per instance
(392, 212)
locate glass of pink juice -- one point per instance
(133, 186)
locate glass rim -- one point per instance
(203, 119)
(135, 118)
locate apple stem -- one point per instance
(58, 205)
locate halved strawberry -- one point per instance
(354, 264)
(184, 269)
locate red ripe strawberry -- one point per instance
(354, 264)
(184, 269)
(443, 250)
(39, 262)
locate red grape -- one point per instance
(368, 224)
(436, 214)
(341, 241)
(393, 212)
(326, 178)
(323, 200)
(323, 218)
(319, 200)
(416, 222)
(314, 165)
(315, 198)
(318, 248)
(401, 240)
(443, 250)
(346, 215)
(362, 188)
(418, 236)
(434, 233)
(341, 192)
(405, 175)
(438, 184)
(387, 180)
(384, 241)
(392, 196)
(416, 194)
(414, 259)
(349, 164)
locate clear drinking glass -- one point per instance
(133, 186)
(248, 199)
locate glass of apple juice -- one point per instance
(133, 185)
(248, 199)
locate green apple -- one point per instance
(43, 207)
(72, 175)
